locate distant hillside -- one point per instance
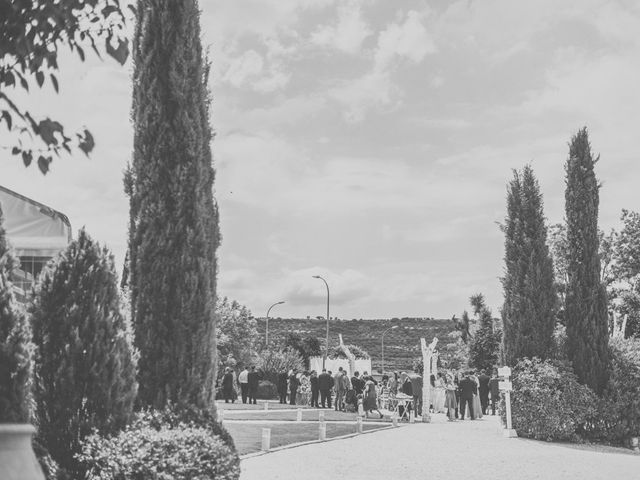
(401, 345)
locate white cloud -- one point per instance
(372, 90)
(244, 68)
(249, 70)
(348, 33)
(408, 40)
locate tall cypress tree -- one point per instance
(85, 367)
(173, 231)
(528, 313)
(586, 298)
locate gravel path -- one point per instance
(443, 450)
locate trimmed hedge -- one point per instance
(154, 449)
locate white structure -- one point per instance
(35, 231)
(361, 365)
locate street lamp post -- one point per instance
(326, 348)
(266, 340)
(390, 328)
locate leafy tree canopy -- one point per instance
(32, 33)
(236, 332)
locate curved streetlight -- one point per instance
(326, 348)
(390, 328)
(266, 340)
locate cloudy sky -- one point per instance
(370, 142)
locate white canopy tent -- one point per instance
(35, 231)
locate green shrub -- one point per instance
(548, 403)
(177, 452)
(272, 362)
(267, 390)
(619, 416)
(85, 363)
(191, 415)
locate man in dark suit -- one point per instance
(495, 391)
(416, 391)
(315, 388)
(324, 385)
(357, 383)
(254, 379)
(282, 386)
(483, 390)
(467, 390)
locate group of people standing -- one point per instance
(327, 388)
(457, 394)
(469, 395)
(248, 379)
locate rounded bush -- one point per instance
(548, 403)
(177, 452)
(267, 390)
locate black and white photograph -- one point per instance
(319, 239)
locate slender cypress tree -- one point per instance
(173, 231)
(85, 367)
(528, 313)
(16, 349)
(586, 298)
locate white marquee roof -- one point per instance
(33, 229)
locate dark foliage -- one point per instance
(586, 299)
(173, 231)
(85, 365)
(548, 403)
(528, 313)
(16, 348)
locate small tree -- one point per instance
(484, 346)
(85, 364)
(236, 332)
(16, 349)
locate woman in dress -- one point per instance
(477, 408)
(304, 392)
(370, 401)
(450, 402)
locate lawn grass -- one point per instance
(273, 405)
(307, 415)
(248, 436)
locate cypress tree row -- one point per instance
(173, 231)
(16, 349)
(85, 365)
(586, 298)
(530, 300)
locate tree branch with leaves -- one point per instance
(32, 34)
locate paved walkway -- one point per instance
(443, 450)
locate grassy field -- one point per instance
(401, 345)
(248, 436)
